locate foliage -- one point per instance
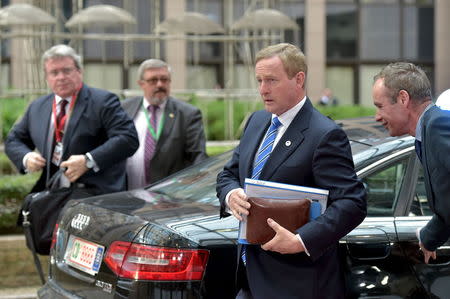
(218, 149)
(6, 167)
(13, 189)
(217, 113)
(347, 111)
(10, 110)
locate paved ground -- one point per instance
(19, 293)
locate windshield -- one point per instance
(198, 183)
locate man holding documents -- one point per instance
(292, 143)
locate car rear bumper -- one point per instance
(127, 289)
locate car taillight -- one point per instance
(144, 262)
(54, 235)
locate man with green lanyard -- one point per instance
(171, 135)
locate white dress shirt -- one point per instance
(135, 164)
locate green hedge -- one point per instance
(10, 110)
(215, 113)
(347, 111)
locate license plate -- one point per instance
(84, 255)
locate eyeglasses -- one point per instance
(65, 71)
(154, 81)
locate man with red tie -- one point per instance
(76, 127)
(170, 131)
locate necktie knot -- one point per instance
(152, 108)
(276, 122)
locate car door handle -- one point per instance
(368, 244)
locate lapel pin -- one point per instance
(288, 143)
(171, 115)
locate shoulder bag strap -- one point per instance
(27, 229)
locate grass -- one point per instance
(217, 149)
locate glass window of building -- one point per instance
(341, 30)
(380, 30)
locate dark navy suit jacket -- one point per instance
(436, 166)
(97, 125)
(318, 155)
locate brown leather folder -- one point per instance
(289, 213)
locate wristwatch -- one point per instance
(89, 162)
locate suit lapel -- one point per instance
(423, 146)
(46, 130)
(78, 109)
(134, 107)
(251, 146)
(291, 140)
(170, 115)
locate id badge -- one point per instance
(57, 154)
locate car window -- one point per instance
(419, 206)
(383, 187)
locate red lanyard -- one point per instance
(59, 127)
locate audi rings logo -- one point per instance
(80, 221)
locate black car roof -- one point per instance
(365, 132)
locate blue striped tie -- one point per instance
(261, 159)
(266, 148)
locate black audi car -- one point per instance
(167, 241)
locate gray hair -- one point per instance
(61, 51)
(152, 64)
(405, 76)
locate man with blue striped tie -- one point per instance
(291, 142)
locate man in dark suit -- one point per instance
(76, 127)
(309, 150)
(170, 131)
(402, 95)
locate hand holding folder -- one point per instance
(289, 213)
(317, 199)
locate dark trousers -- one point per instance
(242, 283)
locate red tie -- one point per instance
(60, 120)
(150, 142)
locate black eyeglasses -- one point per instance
(154, 81)
(65, 71)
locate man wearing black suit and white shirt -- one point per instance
(402, 96)
(170, 131)
(309, 150)
(76, 127)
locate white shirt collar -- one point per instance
(287, 117)
(59, 99)
(146, 104)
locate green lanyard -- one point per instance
(150, 127)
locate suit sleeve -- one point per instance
(122, 140)
(437, 230)
(228, 180)
(195, 142)
(19, 142)
(333, 170)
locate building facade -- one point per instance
(345, 41)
